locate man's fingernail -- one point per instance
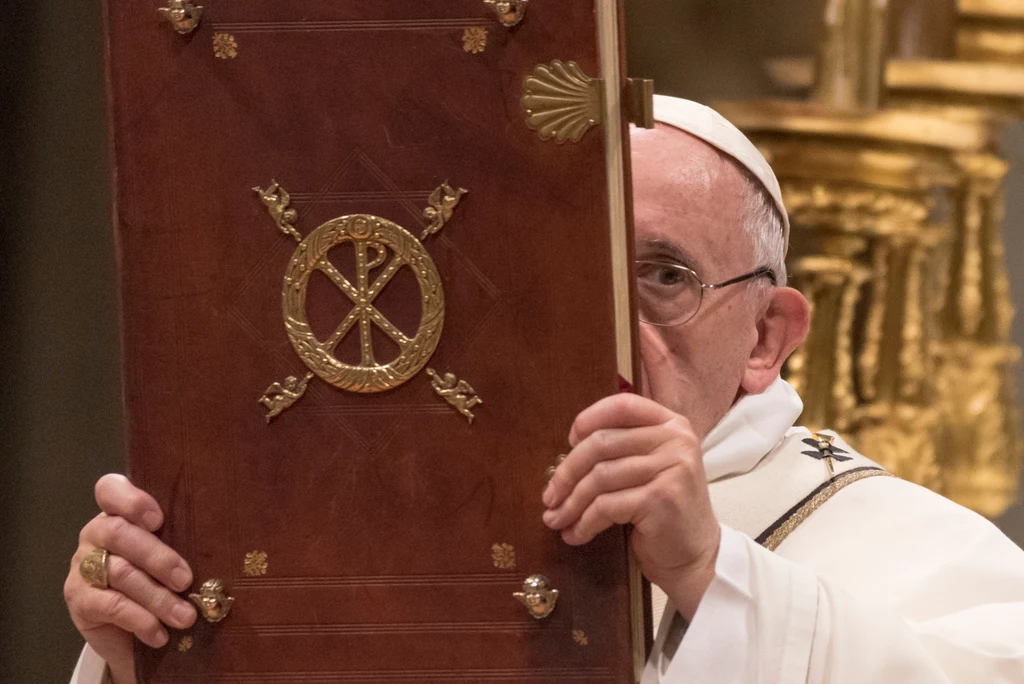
(182, 614)
(151, 520)
(181, 578)
(549, 517)
(549, 495)
(161, 639)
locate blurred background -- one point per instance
(60, 412)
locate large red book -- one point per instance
(374, 259)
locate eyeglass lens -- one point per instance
(667, 294)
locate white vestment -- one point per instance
(885, 583)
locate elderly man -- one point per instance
(780, 556)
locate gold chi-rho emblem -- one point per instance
(382, 248)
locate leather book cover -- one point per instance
(374, 259)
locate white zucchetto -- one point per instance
(714, 129)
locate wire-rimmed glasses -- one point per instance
(670, 294)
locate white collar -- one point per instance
(750, 430)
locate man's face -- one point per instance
(689, 207)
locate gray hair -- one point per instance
(763, 226)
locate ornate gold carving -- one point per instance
(1004, 310)
(561, 102)
(580, 637)
(971, 275)
(900, 438)
(852, 53)
(510, 12)
(823, 366)
(456, 392)
(277, 200)
(537, 597)
(185, 643)
(959, 79)
(504, 556)
(992, 9)
(984, 44)
(224, 46)
(934, 394)
(474, 40)
(281, 396)
(979, 424)
(255, 564)
(853, 209)
(843, 392)
(440, 207)
(907, 127)
(183, 15)
(871, 352)
(213, 603)
(368, 234)
(913, 356)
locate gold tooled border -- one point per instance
(609, 34)
(609, 37)
(772, 537)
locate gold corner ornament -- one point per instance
(277, 200)
(183, 15)
(580, 637)
(213, 602)
(382, 249)
(537, 597)
(185, 644)
(440, 208)
(561, 102)
(510, 12)
(281, 396)
(458, 393)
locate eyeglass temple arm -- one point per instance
(764, 271)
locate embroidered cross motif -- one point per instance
(825, 450)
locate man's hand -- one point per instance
(635, 461)
(143, 574)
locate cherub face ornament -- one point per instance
(537, 597)
(214, 605)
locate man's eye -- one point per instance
(668, 276)
(661, 275)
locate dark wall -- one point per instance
(59, 417)
(59, 412)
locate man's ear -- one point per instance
(780, 330)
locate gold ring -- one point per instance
(94, 568)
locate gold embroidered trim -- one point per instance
(794, 521)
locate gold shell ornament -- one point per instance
(561, 102)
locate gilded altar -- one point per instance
(892, 174)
